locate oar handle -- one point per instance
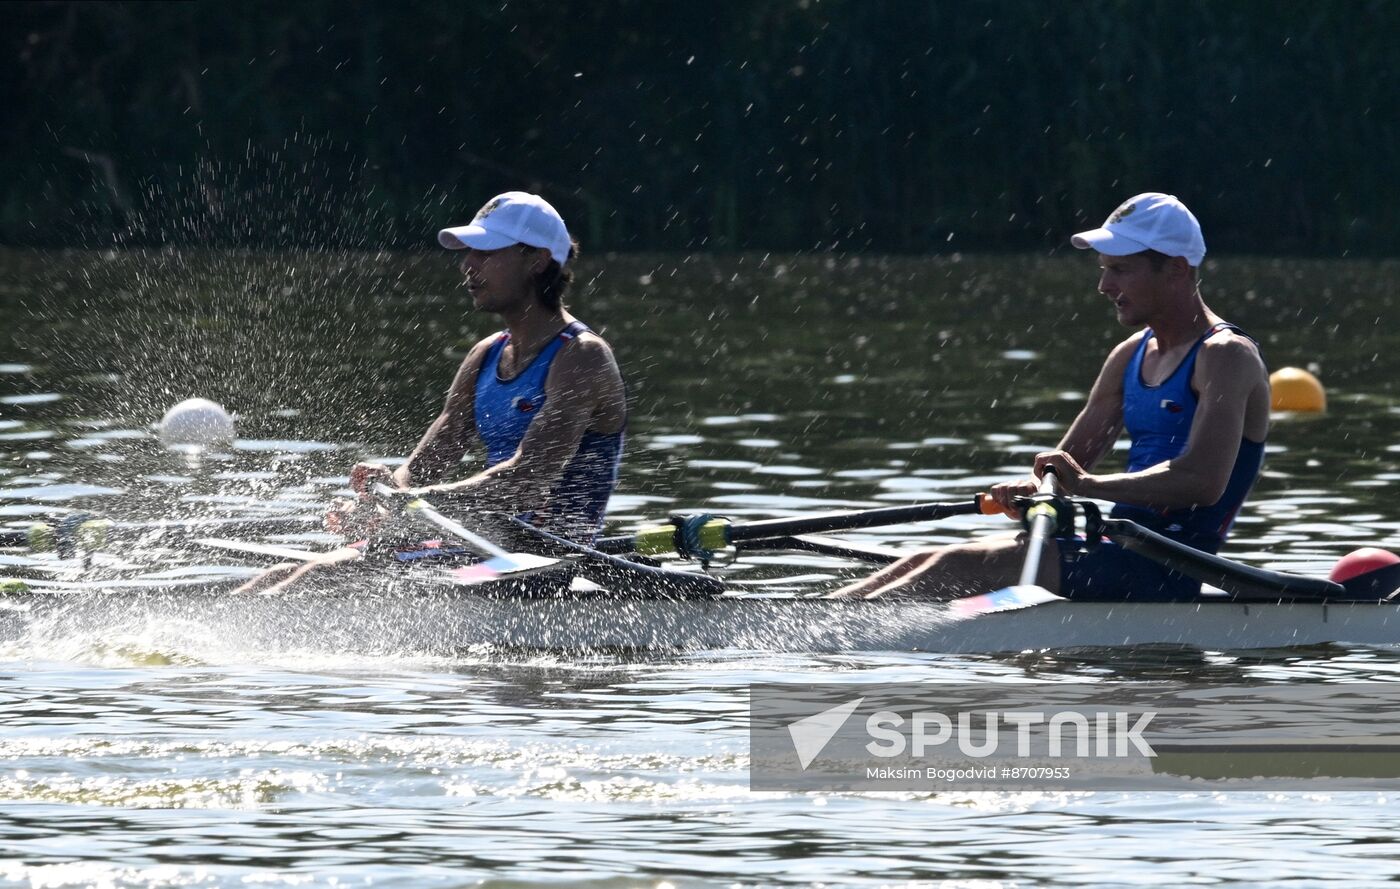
(987, 506)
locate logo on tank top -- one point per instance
(527, 405)
(1170, 406)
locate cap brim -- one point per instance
(473, 236)
(1107, 242)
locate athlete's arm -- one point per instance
(1093, 431)
(583, 375)
(443, 445)
(1228, 371)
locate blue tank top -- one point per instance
(1158, 421)
(503, 412)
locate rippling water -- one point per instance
(180, 751)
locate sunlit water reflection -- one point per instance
(169, 754)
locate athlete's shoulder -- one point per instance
(1230, 353)
(476, 357)
(477, 353)
(587, 353)
(1123, 352)
(587, 342)
(464, 381)
(1229, 333)
(488, 341)
(1230, 343)
(1133, 339)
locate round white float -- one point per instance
(196, 421)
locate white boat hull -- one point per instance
(447, 621)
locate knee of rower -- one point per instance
(981, 555)
(335, 557)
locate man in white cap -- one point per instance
(543, 399)
(1190, 390)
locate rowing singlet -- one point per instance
(1158, 421)
(504, 409)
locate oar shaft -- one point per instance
(284, 553)
(497, 563)
(424, 512)
(94, 533)
(850, 521)
(1243, 581)
(624, 578)
(483, 547)
(720, 532)
(1035, 547)
(1043, 522)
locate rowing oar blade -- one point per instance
(1026, 593)
(503, 567)
(1008, 598)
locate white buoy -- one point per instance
(196, 421)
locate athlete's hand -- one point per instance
(364, 476)
(1006, 493)
(361, 517)
(398, 498)
(354, 519)
(1070, 474)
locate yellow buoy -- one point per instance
(1297, 390)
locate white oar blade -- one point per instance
(1010, 598)
(504, 567)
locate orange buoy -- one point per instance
(1361, 561)
(1295, 389)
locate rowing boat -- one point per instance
(417, 618)
(590, 600)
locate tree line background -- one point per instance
(848, 125)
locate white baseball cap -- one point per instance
(1149, 221)
(516, 217)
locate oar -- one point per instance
(625, 578)
(1044, 517)
(285, 553)
(695, 536)
(87, 532)
(498, 563)
(1246, 581)
(826, 546)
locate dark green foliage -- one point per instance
(749, 124)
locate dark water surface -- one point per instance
(170, 755)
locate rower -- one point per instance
(543, 399)
(1192, 393)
